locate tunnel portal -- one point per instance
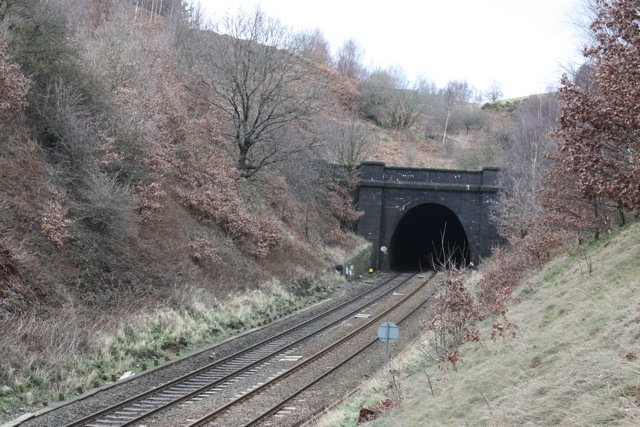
(407, 210)
(426, 235)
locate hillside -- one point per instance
(166, 183)
(573, 361)
(127, 210)
(123, 214)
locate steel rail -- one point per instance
(218, 411)
(275, 408)
(145, 413)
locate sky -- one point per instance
(525, 45)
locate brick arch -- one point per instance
(386, 194)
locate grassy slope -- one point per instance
(575, 360)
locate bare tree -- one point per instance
(526, 163)
(252, 70)
(315, 47)
(349, 61)
(389, 99)
(346, 144)
(455, 93)
(494, 92)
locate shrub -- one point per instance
(53, 223)
(340, 200)
(67, 130)
(455, 317)
(212, 188)
(37, 36)
(147, 199)
(105, 206)
(13, 86)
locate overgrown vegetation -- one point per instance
(69, 353)
(121, 201)
(148, 154)
(558, 195)
(573, 361)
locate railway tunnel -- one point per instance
(427, 235)
(412, 216)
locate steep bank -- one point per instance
(573, 361)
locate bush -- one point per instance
(68, 131)
(106, 206)
(37, 36)
(13, 86)
(212, 187)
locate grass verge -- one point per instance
(574, 360)
(46, 360)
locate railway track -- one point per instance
(252, 416)
(221, 373)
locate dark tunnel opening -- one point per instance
(428, 236)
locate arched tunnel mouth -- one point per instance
(429, 236)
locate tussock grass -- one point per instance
(574, 360)
(41, 360)
(352, 246)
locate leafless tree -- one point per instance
(494, 92)
(455, 93)
(315, 47)
(389, 99)
(253, 71)
(526, 164)
(347, 143)
(349, 61)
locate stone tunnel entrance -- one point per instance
(426, 235)
(446, 203)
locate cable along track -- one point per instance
(131, 411)
(323, 355)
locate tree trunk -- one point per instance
(242, 158)
(622, 221)
(446, 124)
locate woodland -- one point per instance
(162, 174)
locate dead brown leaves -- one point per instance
(13, 86)
(454, 320)
(600, 121)
(371, 413)
(15, 296)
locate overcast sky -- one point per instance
(523, 44)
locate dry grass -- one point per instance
(41, 359)
(573, 362)
(352, 246)
(59, 336)
(406, 148)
